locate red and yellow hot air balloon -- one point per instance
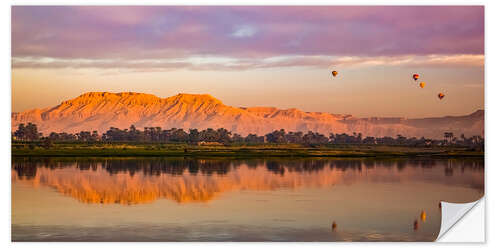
(422, 84)
(335, 73)
(416, 76)
(440, 96)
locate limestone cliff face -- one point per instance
(101, 110)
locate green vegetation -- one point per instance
(222, 136)
(26, 141)
(235, 150)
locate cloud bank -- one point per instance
(236, 38)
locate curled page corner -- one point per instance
(451, 213)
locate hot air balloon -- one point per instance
(422, 84)
(415, 77)
(440, 96)
(335, 73)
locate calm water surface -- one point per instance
(168, 199)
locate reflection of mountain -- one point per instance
(141, 181)
(100, 187)
(101, 110)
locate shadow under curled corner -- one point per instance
(452, 213)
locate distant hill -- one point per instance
(102, 110)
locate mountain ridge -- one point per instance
(102, 110)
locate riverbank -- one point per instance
(239, 151)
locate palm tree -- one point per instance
(448, 136)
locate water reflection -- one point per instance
(187, 199)
(144, 180)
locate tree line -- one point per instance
(26, 168)
(223, 136)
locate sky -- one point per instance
(256, 56)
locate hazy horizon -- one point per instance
(256, 56)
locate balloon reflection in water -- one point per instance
(423, 216)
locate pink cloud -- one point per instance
(229, 64)
(171, 32)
